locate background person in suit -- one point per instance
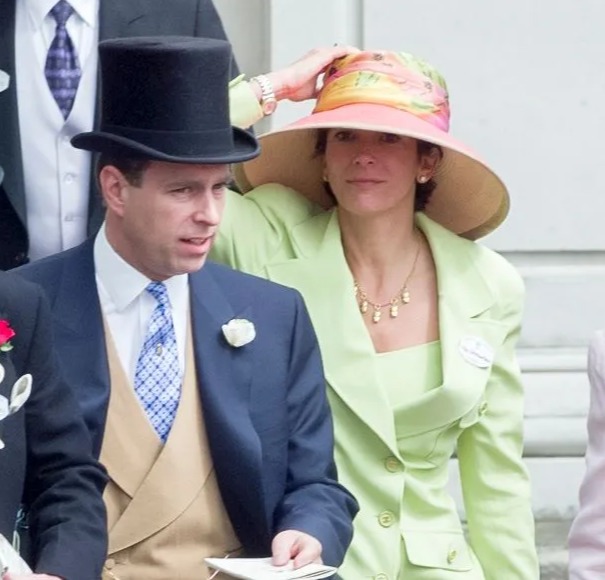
(369, 208)
(217, 437)
(46, 462)
(49, 201)
(587, 533)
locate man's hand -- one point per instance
(9, 576)
(298, 81)
(298, 546)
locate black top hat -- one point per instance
(167, 98)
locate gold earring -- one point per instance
(324, 177)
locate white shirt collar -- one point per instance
(122, 282)
(87, 10)
(37, 10)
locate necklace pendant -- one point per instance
(405, 295)
(363, 306)
(394, 310)
(376, 316)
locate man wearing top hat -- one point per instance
(202, 387)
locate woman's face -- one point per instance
(371, 172)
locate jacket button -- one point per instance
(386, 519)
(110, 563)
(392, 464)
(451, 555)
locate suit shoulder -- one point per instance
(15, 290)
(235, 280)
(500, 272)
(598, 338)
(20, 302)
(596, 349)
(500, 275)
(47, 269)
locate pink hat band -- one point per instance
(395, 80)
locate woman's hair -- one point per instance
(423, 190)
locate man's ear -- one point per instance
(113, 187)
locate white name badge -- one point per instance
(476, 351)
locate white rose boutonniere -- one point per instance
(239, 332)
(19, 394)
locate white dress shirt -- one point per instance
(128, 307)
(57, 176)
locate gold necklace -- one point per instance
(402, 296)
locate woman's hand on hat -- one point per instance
(298, 81)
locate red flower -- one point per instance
(6, 333)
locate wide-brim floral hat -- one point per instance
(393, 93)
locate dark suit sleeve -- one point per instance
(64, 483)
(314, 502)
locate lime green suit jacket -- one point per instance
(398, 469)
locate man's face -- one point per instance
(165, 225)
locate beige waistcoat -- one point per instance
(164, 509)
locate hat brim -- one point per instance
(245, 147)
(470, 199)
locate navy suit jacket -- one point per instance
(265, 406)
(117, 19)
(47, 463)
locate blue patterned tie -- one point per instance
(157, 380)
(62, 69)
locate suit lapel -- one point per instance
(79, 331)
(326, 283)
(10, 151)
(464, 297)
(224, 375)
(6, 384)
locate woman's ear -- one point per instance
(429, 162)
(113, 187)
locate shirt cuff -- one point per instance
(243, 104)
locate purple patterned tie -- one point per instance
(62, 69)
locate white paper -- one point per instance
(261, 569)
(10, 561)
